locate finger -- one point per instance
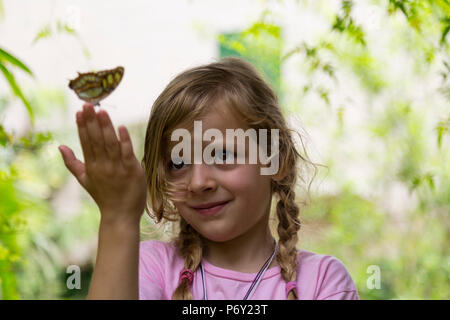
(88, 153)
(94, 132)
(126, 147)
(75, 166)
(112, 144)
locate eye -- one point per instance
(225, 154)
(177, 164)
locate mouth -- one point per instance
(210, 209)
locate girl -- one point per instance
(224, 248)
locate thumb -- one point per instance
(75, 166)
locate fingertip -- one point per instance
(88, 106)
(123, 133)
(79, 117)
(65, 150)
(61, 150)
(103, 116)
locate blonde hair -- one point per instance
(187, 97)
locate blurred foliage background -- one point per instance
(386, 163)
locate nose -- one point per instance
(201, 179)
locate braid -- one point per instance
(287, 211)
(288, 227)
(189, 244)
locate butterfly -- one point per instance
(95, 86)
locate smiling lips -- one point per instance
(210, 209)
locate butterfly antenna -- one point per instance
(110, 106)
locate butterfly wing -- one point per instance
(95, 86)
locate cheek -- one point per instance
(248, 181)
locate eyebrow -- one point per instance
(221, 143)
(171, 143)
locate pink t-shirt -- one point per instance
(318, 277)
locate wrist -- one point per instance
(111, 220)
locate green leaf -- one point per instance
(35, 140)
(442, 128)
(290, 53)
(444, 35)
(430, 179)
(5, 56)
(328, 69)
(5, 138)
(64, 27)
(45, 32)
(16, 89)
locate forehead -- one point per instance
(218, 116)
(221, 117)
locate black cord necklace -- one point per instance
(255, 282)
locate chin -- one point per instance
(217, 239)
(219, 235)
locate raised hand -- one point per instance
(111, 173)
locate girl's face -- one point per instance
(245, 190)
